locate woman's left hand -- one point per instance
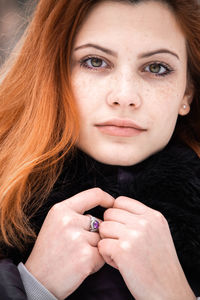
(137, 241)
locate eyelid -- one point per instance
(169, 69)
(166, 65)
(89, 56)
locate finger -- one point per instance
(92, 238)
(111, 230)
(120, 216)
(89, 199)
(131, 205)
(97, 259)
(107, 248)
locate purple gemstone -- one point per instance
(96, 224)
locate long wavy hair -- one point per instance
(39, 123)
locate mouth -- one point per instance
(120, 127)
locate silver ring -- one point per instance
(94, 224)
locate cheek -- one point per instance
(168, 100)
(89, 93)
(163, 110)
(80, 88)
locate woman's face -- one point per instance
(129, 76)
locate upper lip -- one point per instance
(121, 123)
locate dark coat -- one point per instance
(168, 181)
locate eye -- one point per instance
(158, 69)
(94, 63)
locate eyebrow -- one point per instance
(113, 53)
(147, 54)
(108, 51)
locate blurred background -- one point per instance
(14, 17)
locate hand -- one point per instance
(137, 241)
(66, 252)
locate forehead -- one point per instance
(147, 24)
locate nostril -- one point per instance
(115, 103)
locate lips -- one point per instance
(120, 127)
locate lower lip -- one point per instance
(119, 131)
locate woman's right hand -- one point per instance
(65, 251)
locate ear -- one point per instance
(187, 100)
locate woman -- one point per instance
(100, 187)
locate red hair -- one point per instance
(38, 117)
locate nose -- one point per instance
(125, 92)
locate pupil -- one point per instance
(155, 68)
(96, 62)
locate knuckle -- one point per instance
(56, 208)
(101, 225)
(118, 201)
(65, 217)
(97, 237)
(102, 228)
(144, 223)
(76, 237)
(159, 216)
(125, 245)
(101, 246)
(107, 213)
(97, 191)
(69, 202)
(135, 234)
(69, 221)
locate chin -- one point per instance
(122, 155)
(119, 162)
(115, 159)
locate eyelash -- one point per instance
(84, 63)
(168, 69)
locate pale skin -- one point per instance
(132, 237)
